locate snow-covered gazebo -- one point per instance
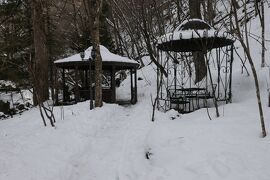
(194, 35)
(84, 69)
(198, 60)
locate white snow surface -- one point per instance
(194, 34)
(190, 20)
(17, 97)
(106, 56)
(7, 83)
(111, 142)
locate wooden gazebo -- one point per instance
(111, 63)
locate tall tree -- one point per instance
(259, 7)
(95, 7)
(15, 39)
(194, 9)
(41, 52)
(209, 10)
(198, 57)
(239, 34)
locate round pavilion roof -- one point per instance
(194, 35)
(108, 60)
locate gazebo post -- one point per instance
(63, 85)
(230, 83)
(212, 84)
(175, 76)
(135, 93)
(131, 86)
(56, 100)
(90, 86)
(86, 78)
(113, 84)
(157, 69)
(76, 85)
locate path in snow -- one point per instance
(115, 143)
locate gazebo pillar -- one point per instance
(131, 86)
(230, 76)
(113, 84)
(132, 83)
(135, 93)
(56, 100)
(76, 85)
(91, 96)
(63, 84)
(85, 78)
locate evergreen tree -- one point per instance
(15, 39)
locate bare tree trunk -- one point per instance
(247, 52)
(43, 109)
(245, 24)
(259, 9)
(269, 99)
(94, 7)
(194, 9)
(211, 11)
(49, 47)
(178, 6)
(41, 52)
(263, 34)
(39, 72)
(198, 57)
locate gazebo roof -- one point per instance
(194, 35)
(192, 24)
(109, 59)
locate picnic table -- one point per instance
(188, 99)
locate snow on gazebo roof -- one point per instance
(194, 35)
(106, 56)
(191, 24)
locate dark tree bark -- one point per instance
(198, 57)
(94, 7)
(50, 48)
(41, 52)
(263, 33)
(210, 12)
(194, 9)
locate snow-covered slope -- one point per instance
(112, 142)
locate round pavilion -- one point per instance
(194, 47)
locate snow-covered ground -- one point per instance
(13, 96)
(111, 143)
